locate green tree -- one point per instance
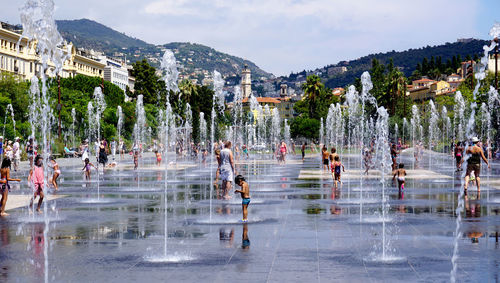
(147, 82)
(312, 89)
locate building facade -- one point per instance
(115, 72)
(26, 63)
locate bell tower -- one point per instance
(246, 82)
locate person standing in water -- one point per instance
(459, 151)
(103, 156)
(53, 164)
(136, 159)
(400, 174)
(30, 151)
(36, 177)
(325, 157)
(158, 158)
(474, 163)
(303, 150)
(16, 153)
(226, 169)
(87, 168)
(394, 156)
(245, 195)
(4, 184)
(336, 165)
(283, 151)
(333, 153)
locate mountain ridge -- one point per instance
(94, 35)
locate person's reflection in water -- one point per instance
(226, 236)
(284, 185)
(245, 241)
(4, 238)
(401, 207)
(335, 194)
(473, 211)
(223, 209)
(37, 247)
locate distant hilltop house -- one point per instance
(27, 63)
(338, 91)
(332, 71)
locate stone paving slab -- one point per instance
(17, 201)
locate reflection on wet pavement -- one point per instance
(299, 228)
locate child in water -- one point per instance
(336, 165)
(245, 195)
(53, 164)
(136, 159)
(400, 173)
(36, 176)
(4, 184)
(87, 168)
(158, 158)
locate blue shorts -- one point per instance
(245, 201)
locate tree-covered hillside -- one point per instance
(406, 61)
(92, 35)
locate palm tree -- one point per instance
(312, 90)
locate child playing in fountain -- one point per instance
(400, 173)
(87, 168)
(136, 159)
(4, 184)
(53, 164)
(36, 176)
(336, 169)
(245, 195)
(158, 158)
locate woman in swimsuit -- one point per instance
(53, 164)
(4, 187)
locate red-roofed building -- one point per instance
(338, 91)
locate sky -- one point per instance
(284, 36)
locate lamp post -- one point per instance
(59, 106)
(496, 62)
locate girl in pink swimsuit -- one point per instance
(37, 177)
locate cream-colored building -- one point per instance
(25, 63)
(246, 82)
(491, 63)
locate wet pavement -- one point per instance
(300, 229)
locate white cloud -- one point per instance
(285, 35)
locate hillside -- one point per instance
(406, 61)
(195, 59)
(192, 56)
(87, 33)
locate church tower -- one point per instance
(246, 82)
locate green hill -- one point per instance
(406, 61)
(87, 33)
(195, 58)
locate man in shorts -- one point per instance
(474, 163)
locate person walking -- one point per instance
(474, 163)
(226, 169)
